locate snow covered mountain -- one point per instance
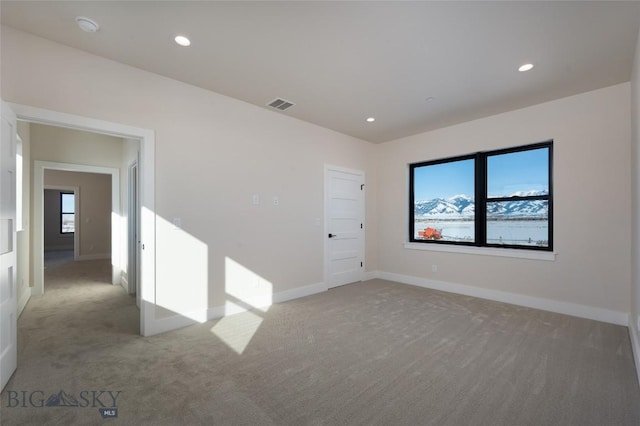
(458, 205)
(462, 207)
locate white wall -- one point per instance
(23, 272)
(592, 218)
(93, 219)
(212, 154)
(634, 299)
(60, 145)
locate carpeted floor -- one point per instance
(372, 353)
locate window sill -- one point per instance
(485, 251)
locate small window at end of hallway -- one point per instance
(67, 213)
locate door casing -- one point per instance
(148, 321)
(133, 226)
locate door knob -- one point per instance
(332, 235)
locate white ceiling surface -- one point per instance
(341, 62)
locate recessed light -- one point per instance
(86, 24)
(429, 99)
(525, 67)
(182, 41)
(371, 120)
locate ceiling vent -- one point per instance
(280, 104)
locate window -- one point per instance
(67, 213)
(490, 199)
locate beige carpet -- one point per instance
(372, 353)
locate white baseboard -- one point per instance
(23, 300)
(59, 248)
(635, 343)
(124, 283)
(198, 317)
(572, 309)
(371, 275)
(296, 293)
(174, 322)
(98, 256)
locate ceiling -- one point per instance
(414, 66)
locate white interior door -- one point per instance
(8, 296)
(344, 218)
(134, 237)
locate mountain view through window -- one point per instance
(513, 208)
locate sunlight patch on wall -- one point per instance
(147, 226)
(182, 280)
(245, 289)
(116, 242)
(236, 331)
(124, 245)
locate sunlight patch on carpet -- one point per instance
(236, 331)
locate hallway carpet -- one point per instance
(371, 353)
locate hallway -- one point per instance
(64, 335)
(79, 301)
(79, 298)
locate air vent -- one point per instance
(280, 104)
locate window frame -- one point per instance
(482, 198)
(62, 212)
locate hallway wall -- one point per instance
(93, 218)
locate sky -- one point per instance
(518, 171)
(68, 203)
(507, 174)
(444, 180)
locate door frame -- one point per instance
(37, 234)
(147, 191)
(327, 169)
(133, 226)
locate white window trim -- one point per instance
(484, 251)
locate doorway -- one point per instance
(146, 271)
(38, 248)
(60, 207)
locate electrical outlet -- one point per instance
(276, 201)
(434, 268)
(255, 199)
